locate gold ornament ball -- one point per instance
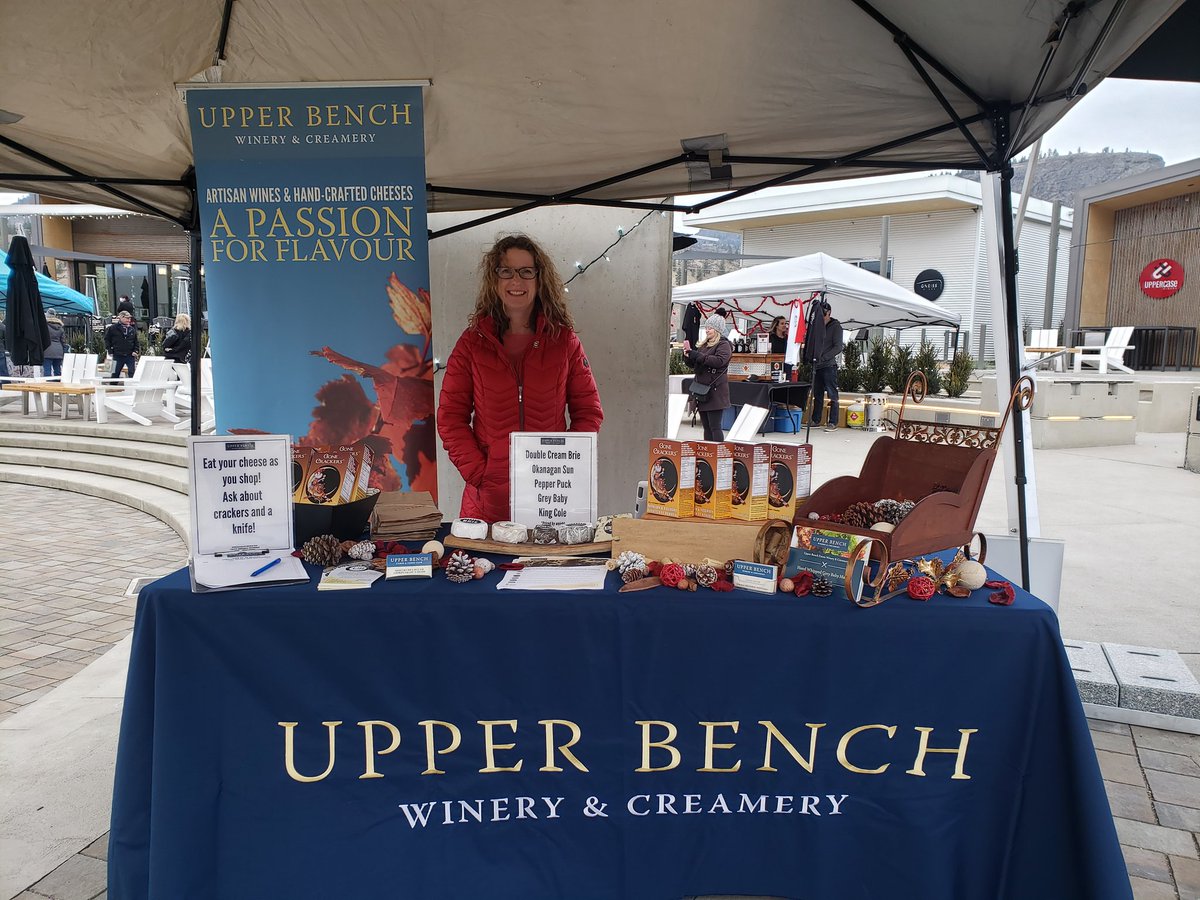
(436, 548)
(787, 585)
(883, 526)
(971, 574)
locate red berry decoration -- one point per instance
(670, 575)
(921, 587)
(721, 586)
(803, 581)
(654, 567)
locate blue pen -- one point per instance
(273, 562)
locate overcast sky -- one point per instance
(1160, 117)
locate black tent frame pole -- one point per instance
(1013, 324)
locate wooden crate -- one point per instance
(685, 540)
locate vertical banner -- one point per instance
(316, 268)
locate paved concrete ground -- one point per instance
(76, 555)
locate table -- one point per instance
(1046, 354)
(48, 391)
(767, 395)
(733, 743)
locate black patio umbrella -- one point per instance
(26, 332)
(145, 298)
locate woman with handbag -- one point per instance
(710, 387)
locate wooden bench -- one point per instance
(46, 392)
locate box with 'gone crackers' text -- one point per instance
(714, 479)
(789, 478)
(330, 478)
(748, 495)
(672, 479)
(301, 457)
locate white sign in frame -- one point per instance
(552, 477)
(241, 493)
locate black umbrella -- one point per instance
(145, 298)
(26, 332)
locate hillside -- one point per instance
(1059, 177)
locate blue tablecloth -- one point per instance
(733, 743)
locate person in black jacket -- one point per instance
(826, 348)
(121, 342)
(124, 304)
(177, 345)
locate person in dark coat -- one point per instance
(52, 358)
(121, 342)
(124, 305)
(825, 346)
(177, 345)
(710, 358)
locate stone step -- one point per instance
(167, 505)
(156, 434)
(1136, 680)
(125, 449)
(134, 467)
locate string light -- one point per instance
(580, 268)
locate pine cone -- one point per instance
(362, 550)
(323, 550)
(706, 576)
(633, 573)
(860, 515)
(889, 511)
(630, 559)
(689, 569)
(460, 568)
(906, 506)
(821, 586)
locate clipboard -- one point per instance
(240, 503)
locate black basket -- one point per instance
(345, 521)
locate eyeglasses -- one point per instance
(528, 273)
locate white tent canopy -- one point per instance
(540, 99)
(859, 298)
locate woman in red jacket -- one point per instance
(519, 366)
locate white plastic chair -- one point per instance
(1110, 353)
(149, 394)
(183, 395)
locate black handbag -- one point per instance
(698, 390)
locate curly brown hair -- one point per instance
(550, 301)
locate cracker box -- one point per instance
(789, 478)
(330, 477)
(364, 458)
(301, 457)
(714, 480)
(672, 479)
(748, 493)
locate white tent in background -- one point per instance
(859, 298)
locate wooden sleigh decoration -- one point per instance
(944, 468)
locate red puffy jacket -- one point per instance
(484, 399)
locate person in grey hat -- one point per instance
(710, 388)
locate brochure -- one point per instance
(349, 576)
(241, 512)
(825, 551)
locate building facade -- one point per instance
(1130, 231)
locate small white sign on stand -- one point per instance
(552, 477)
(241, 512)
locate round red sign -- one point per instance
(1161, 278)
